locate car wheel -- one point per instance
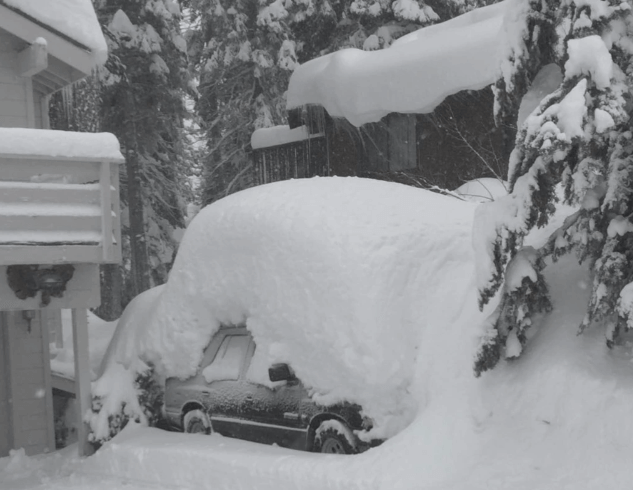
(333, 437)
(196, 422)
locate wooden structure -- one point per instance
(408, 113)
(59, 218)
(455, 143)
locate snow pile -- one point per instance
(74, 18)
(63, 144)
(413, 75)
(344, 279)
(121, 364)
(555, 418)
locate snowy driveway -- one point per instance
(145, 459)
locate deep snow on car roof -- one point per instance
(336, 276)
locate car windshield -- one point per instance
(228, 360)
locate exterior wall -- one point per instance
(38, 119)
(13, 88)
(31, 404)
(456, 138)
(301, 159)
(4, 395)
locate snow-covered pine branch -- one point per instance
(579, 137)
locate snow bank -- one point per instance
(413, 75)
(74, 18)
(344, 279)
(65, 144)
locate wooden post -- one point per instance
(82, 376)
(106, 211)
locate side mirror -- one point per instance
(280, 372)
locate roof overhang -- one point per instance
(68, 61)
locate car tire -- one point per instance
(334, 437)
(196, 422)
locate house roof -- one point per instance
(413, 75)
(72, 20)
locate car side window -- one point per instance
(228, 360)
(257, 371)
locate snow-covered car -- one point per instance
(230, 395)
(346, 281)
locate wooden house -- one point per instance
(59, 211)
(419, 112)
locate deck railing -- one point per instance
(59, 210)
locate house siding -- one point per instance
(4, 397)
(13, 97)
(31, 398)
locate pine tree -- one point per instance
(142, 90)
(579, 137)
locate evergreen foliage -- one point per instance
(139, 96)
(142, 89)
(149, 393)
(579, 137)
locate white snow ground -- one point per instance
(557, 418)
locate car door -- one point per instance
(271, 411)
(223, 393)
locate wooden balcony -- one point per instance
(59, 209)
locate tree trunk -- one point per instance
(111, 292)
(138, 245)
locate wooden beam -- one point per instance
(106, 211)
(52, 254)
(116, 219)
(82, 377)
(32, 60)
(64, 384)
(30, 107)
(48, 385)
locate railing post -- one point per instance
(105, 182)
(82, 376)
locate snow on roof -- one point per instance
(413, 75)
(342, 278)
(64, 144)
(278, 135)
(73, 18)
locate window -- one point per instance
(229, 359)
